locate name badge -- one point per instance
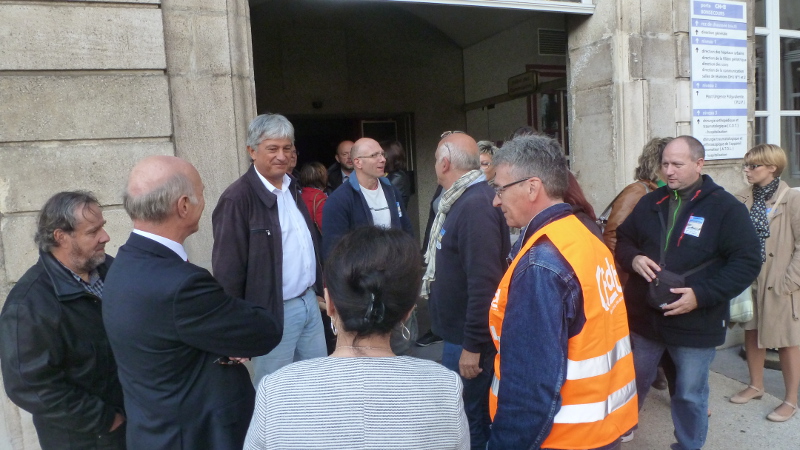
(399, 211)
(439, 241)
(694, 226)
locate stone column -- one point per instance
(209, 66)
(629, 81)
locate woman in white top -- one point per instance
(363, 396)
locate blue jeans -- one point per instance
(303, 336)
(476, 393)
(689, 404)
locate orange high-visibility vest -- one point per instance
(598, 398)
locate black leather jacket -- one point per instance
(56, 360)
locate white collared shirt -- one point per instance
(169, 243)
(299, 271)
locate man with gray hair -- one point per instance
(265, 246)
(54, 352)
(466, 258)
(178, 338)
(560, 314)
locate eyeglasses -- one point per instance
(751, 166)
(498, 190)
(374, 155)
(486, 163)
(448, 133)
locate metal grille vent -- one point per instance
(552, 42)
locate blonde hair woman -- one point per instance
(775, 210)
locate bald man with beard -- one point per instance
(340, 171)
(172, 327)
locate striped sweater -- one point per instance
(359, 403)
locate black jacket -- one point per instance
(168, 321)
(56, 360)
(334, 177)
(727, 235)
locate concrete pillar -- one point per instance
(629, 81)
(212, 90)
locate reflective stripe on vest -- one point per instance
(592, 367)
(593, 412)
(598, 397)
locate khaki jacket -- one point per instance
(777, 297)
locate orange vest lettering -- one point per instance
(598, 397)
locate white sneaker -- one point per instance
(627, 437)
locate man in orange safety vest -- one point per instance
(564, 374)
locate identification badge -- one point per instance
(694, 226)
(439, 241)
(399, 211)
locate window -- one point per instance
(777, 77)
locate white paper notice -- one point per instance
(719, 77)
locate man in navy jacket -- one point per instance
(692, 221)
(178, 338)
(470, 251)
(368, 198)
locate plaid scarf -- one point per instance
(448, 198)
(758, 213)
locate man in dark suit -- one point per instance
(341, 170)
(171, 326)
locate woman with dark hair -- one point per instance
(396, 168)
(580, 206)
(775, 211)
(314, 178)
(371, 398)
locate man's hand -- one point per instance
(645, 267)
(119, 419)
(683, 305)
(469, 364)
(239, 360)
(321, 303)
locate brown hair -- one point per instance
(314, 175)
(395, 156)
(575, 197)
(650, 159)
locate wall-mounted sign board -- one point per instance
(719, 77)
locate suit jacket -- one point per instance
(247, 257)
(335, 178)
(168, 321)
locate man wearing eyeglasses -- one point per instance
(564, 373)
(368, 198)
(466, 257)
(694, 228)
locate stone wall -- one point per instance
(89, 88)
(629, 82)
